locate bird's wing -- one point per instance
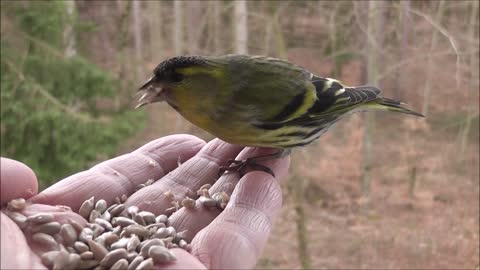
(269, 89)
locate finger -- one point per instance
(60, 214)
(185, 260)
(15, 252)
(122, 174)
(185, 180)
(243, 226)
(194, 220)
(17, 181)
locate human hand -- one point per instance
(232, 238)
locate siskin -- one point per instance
(258, 101)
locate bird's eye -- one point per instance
(176, 77)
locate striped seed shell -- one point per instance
(99, 251)
(80, 247)
(113, 256)
(135, 262)
(161, 254)
(48, 228)
(17, 204)
(101, 206)
(87, 207)
(121, 264)
(40, 218)
(68, 234)
(61, 260)
(45, 240)
(146, 264)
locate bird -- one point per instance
(258, 101)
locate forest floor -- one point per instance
(434, 225)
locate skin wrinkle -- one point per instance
(77, 185)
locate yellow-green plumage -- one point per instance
(256, 100)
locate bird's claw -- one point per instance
(241, 167)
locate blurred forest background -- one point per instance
(377, 191)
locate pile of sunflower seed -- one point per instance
(113, 238)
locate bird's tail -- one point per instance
(382, 103)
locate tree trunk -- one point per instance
(241, 27)
(376, 14)
(431, 61)
(404, 36)
(137, 33)
(69, 34)
(178, 27)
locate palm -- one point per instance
(233, 238)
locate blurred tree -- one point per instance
(138, 37)
(241, 27)
(51, 118)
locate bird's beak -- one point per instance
(151, 92)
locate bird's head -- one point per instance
(173, 79)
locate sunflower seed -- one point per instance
(204, 193)
(133, 243)
(167, 241)
(17, 204)
(117, 210)
(99, 251)
(124, 198)
(132, 210)
(180, 236)
(45, 240)
(171, 231)
(222, 199)
(80, 247)
(149, 182)
(169, 195)
(172, 245)
(40, 218)
(73, 261)
(138, 219)
(85, 235)
(87, 207)
(18, 218)
(101, 241)
(153, 242)
(123, 221)
(60, 261)
(206, 186)
(146, 264)
(112, 206)
(71, 250)
(188, 203)
(131, 256)
(117, 230)
(121, 243)
(161, 219)
(76, 225)
(135, 262)
(101, 206)
(97, 230)
(48, 228)
(87, 264)
(138, 230)
(113, 256)
(99, 267)
(106, 215)
(161, 254)
(156, 226)
(94, 215)
(161, 233)
(87, 255)
(121, 264)
(117, 200)
(68, 234)
(147, 216)
(110, 238)
(207, 202)
(48, 257)
(105, 224)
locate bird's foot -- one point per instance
(244, 166)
